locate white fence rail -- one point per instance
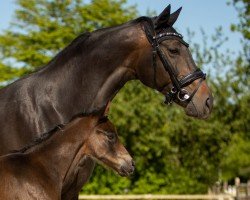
(155, 197)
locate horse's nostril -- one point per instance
(209, 103)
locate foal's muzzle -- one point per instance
(127, 168)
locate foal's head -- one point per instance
(104, 146)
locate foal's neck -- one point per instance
(63, 149)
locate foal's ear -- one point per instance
(162, 19)
(173, 17)
(102, 114)
(106, 111)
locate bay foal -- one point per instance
(39, 170)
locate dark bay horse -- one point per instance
(93, 68)
(38, 171)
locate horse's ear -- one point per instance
(173, 17)
(162, 19)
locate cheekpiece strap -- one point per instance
(177, 90)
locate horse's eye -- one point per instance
(174, 51)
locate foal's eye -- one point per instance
(174, 51)
(103, 119)
(110, 136)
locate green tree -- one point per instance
(243, 9)
(41, 28)
(237, 161)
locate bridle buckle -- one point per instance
(183, 95)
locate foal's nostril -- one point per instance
(133, 166)
(133, 163)
(127, 168)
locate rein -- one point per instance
(177, 91)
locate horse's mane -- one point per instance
(80, 40)
(143, 19)
(56, 129)
(78, 44)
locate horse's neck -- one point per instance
(64, 149)
(79, 82)
(92, 78)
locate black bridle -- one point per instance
(177, 91)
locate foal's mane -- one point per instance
(56, 129)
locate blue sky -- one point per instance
(195, 14)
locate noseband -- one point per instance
(177, 91)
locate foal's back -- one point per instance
(23, 179)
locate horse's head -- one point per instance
(167, 65)
(104, 146)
